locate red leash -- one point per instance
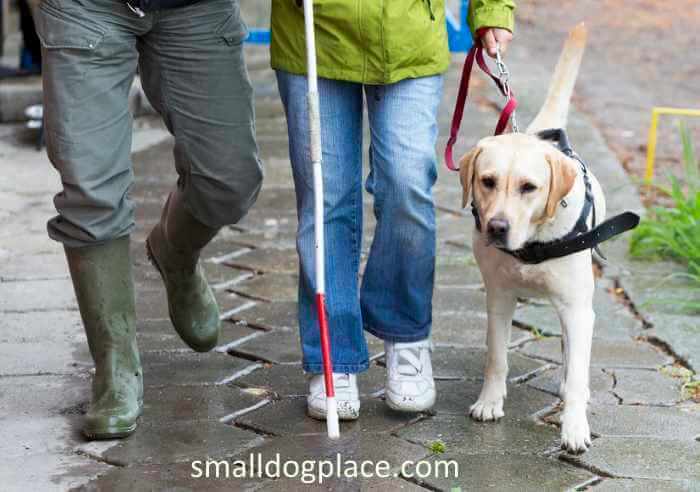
(476, 53)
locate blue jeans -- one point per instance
(394, 301)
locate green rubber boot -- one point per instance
(104, 288)
(173, 246)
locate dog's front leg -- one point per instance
(500, 307)
(577, 330)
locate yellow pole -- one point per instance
(651, 146)
(651, 142)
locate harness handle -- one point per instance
(477, 53)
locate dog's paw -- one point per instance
(575, 433)
(484, 410)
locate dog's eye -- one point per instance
(488, 182)
(527, 188)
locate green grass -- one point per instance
(437, 447)
(673, 232)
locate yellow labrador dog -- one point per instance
(525, 191)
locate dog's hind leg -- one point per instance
(500, 307)
(577, 330)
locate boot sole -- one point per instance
(109, 432)
(113, 432)
(415, 408)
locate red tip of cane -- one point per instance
(325, 344)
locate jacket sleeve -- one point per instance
(491, 13)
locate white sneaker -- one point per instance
(409, 376)
(347, 396)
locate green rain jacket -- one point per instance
(375, 41)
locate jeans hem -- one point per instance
(393, 337)
(337, 368)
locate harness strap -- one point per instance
(475, 53)
(535, 253)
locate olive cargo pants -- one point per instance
(192, 69)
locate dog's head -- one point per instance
(517, 181)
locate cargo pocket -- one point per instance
(69, 39)
(233, 31)
(67, 29)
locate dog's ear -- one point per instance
(561, 179)
(466, 173)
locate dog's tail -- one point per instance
(555, 110)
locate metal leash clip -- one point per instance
(504, 78)
(136, 10)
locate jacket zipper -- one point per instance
(430, 9)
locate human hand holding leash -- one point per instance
(494, 38)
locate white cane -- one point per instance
(332, 424)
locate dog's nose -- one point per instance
(498, 228)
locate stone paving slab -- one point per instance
(456, 268)
(358, 446)
(637, 485)
(645, 421)
(266, 261)
(348, 485)
(270, 287)
(642, 457)
(468, 329)
(216, 274)
(601, 385)
(461, 362)
(456, 274)
(233, 332)
(278, 347)
(194, 403)
(455, 398)
(644, 387)
(276, 201)
(652, 292)
(174, 442)
(57, 295)
(37, 453)
(288, 417)
(269, 316)
(455, 300)
(270, 227)
(189, 368)
(50, 470)
(607, 353)
(26, 398)
(463, 435)
(224, 243)
(457, 228)
(268, 238)
(681, 333)
(613, 320)
(171, 477)
(36, 342)
(23, 267)
(290, 381)
(508, 472)
(155, 335)
(228, 301)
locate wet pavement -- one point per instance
(247, 396)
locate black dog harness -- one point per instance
(580, 238)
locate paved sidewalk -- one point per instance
(247, 396)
